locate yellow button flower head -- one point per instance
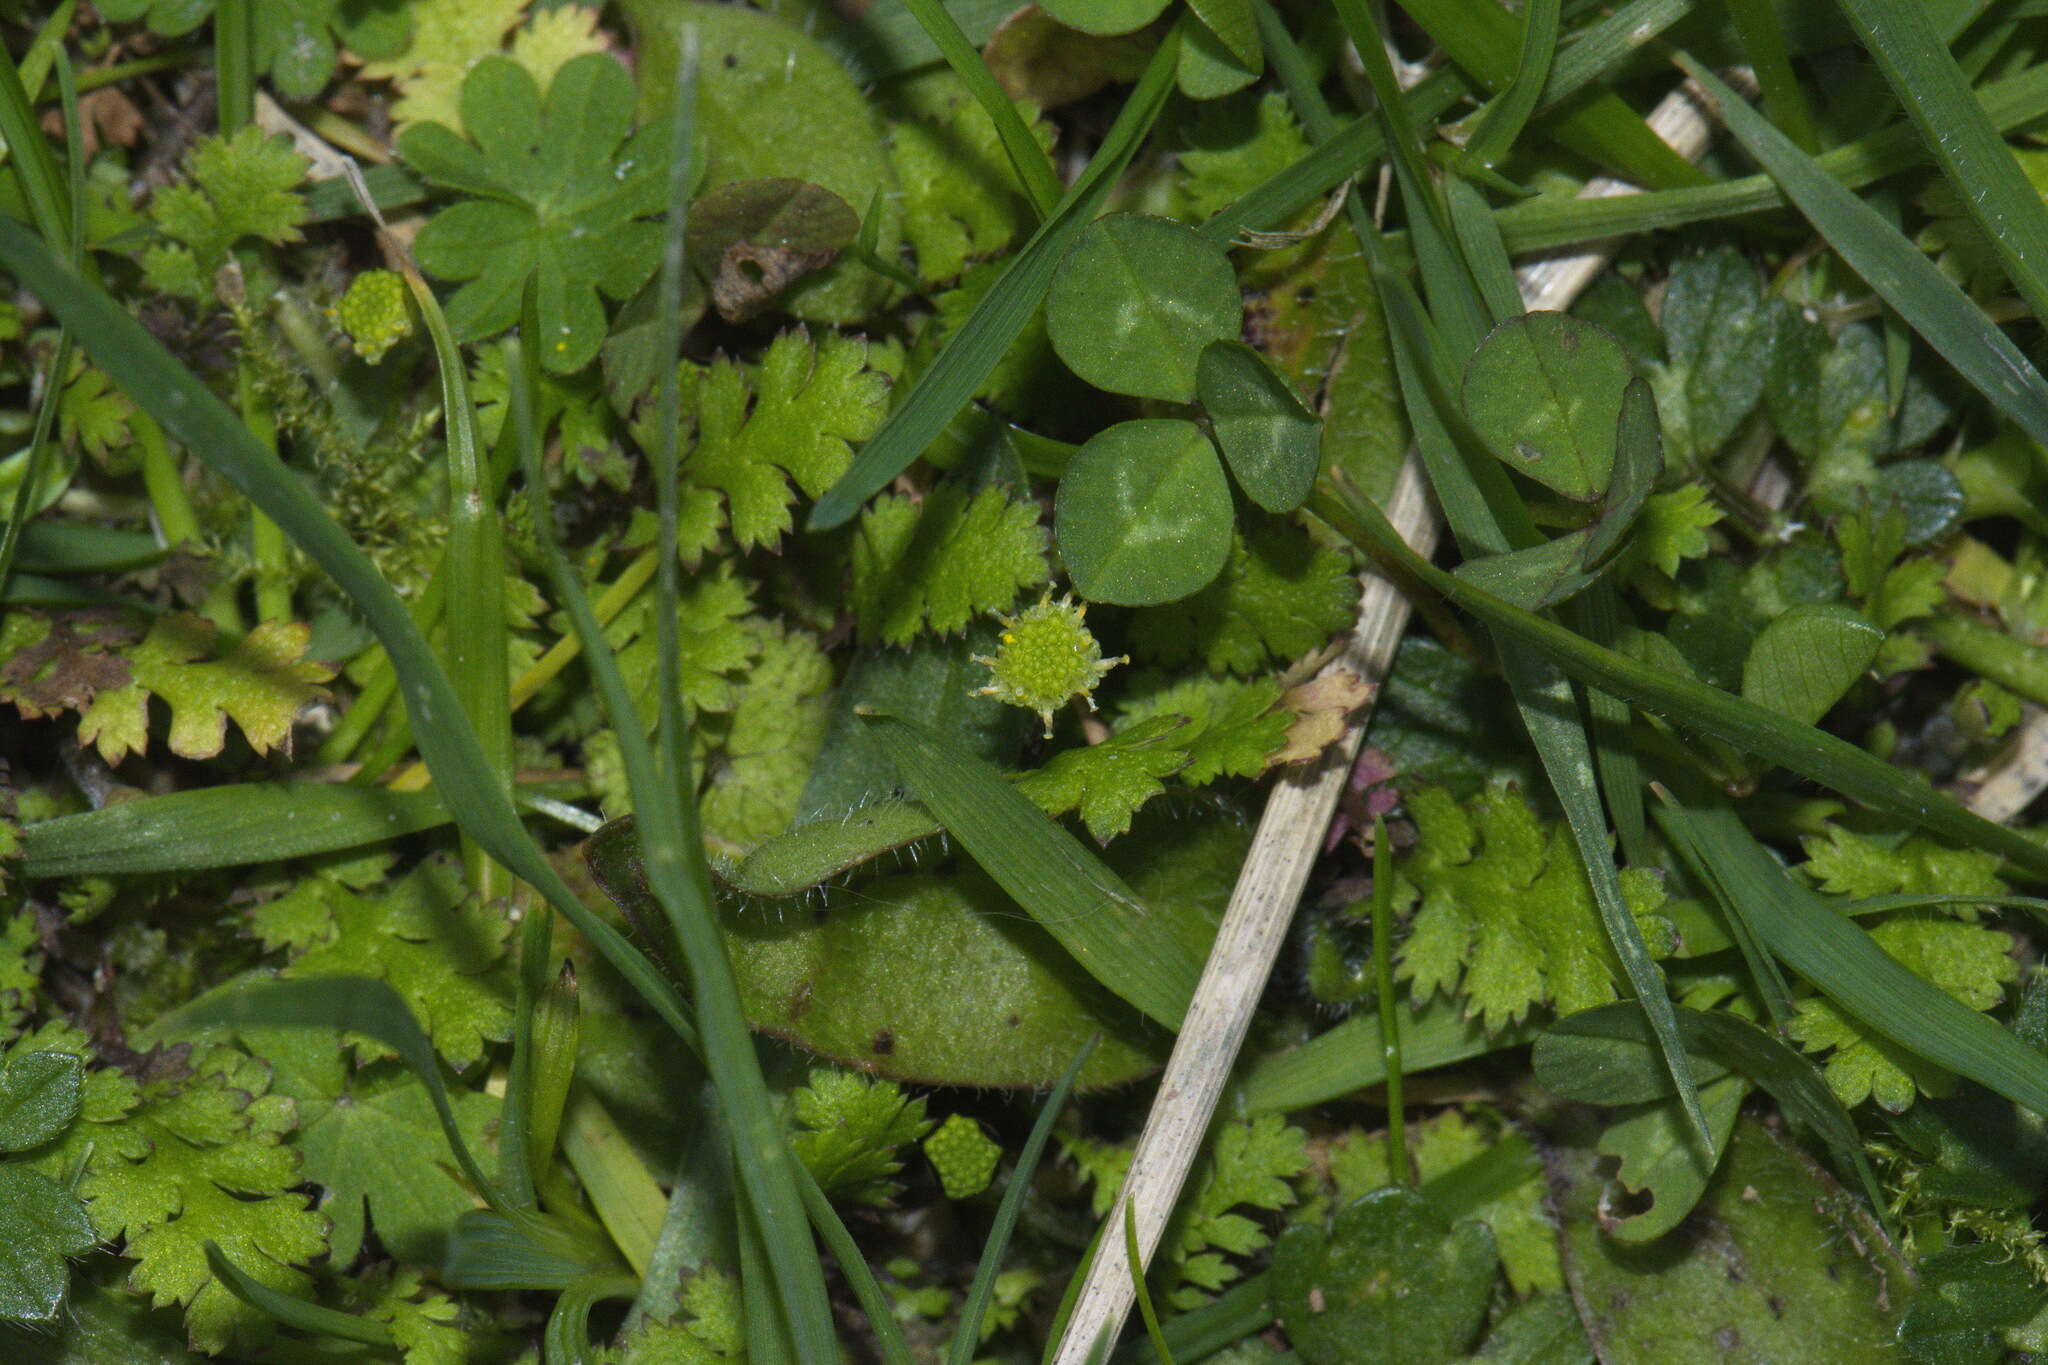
(1047, 655)
(374, 313)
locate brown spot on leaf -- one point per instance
(884, 1044)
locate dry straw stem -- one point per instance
(2008, 784)
(1290, 835)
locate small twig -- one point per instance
(1290, 835)
(2000, 789)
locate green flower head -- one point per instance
(1047, 655)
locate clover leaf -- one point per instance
(561, 188)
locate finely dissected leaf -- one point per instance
(1543, 391)
(960, 197)
(789, 421)
(1802, 662)
(1136, 300)
(849, 1129)
(1719, 337)
(371, 1140)
(1143, 513)
(936, 565)
(1272, 443)
(1970, 962)
(243, 186)
(439, 951)
(715, 636)
(1107, 782)
(550, 185)
(1278, 596)
(1234, 727)
(763, 751)
(1503, 914)
(262, 683)
(1673, 527)
(203, 1160)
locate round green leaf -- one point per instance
(1544, 391)
(1272, 443)
(1136, 300)
(1925, 493)
(1104, 18)
(1802, 662)
(1143, 515)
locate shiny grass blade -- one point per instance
(1901, 35)
(1893, 266)
(189, 411)
(967, 1335)
(1481, 37)
(30, 159)
(1072, 893)
(232, 825)
(1389, 1006)
(292, 1312)
(234, 63)
(1352, 1056)
(1806, 750)
(973, 351)
(1034, 169)
(1763, 38)
(664, 792)
(1547, 221)
(1501, 122)
(1807, 931)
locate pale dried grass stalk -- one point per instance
(1290, 835)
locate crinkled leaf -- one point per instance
(937, 564)
(1279, 595)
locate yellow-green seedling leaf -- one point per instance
(39, 1094)
(41, 1225)
(1106, 18)
(772, 102)
(1544, 391)
(761, 753)
(1776, 1256)
(961, 200)
(1389, 1280)
(240, 187)
(752, 239)
(937, 564)
(849, 1129)
(964, 1156)
(1134, 302)
(1272, 443)
(1279, 596)
(1143, 515)
(204, 1159)
(1802, 663)
(1108, 782)
(1045, 657)
(564, 189)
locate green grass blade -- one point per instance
(1806, 750)
(1389, 1006)
(1548, 221)
(1072, 893)
(234, 63)
(1591, 52)
(1352, 1056)
(665, 798)
(1034, 169)
(1504, 117)
(1141, 1291)
(189, 411)
(293, 1312)
(30, 158)
(967, 1336)
(1481, 37)
(39, 451)
(474, 564)
(1903, 277)
(233, 825)
(973, 351)
(1839, 958)
(1902, 37)
(1763, 38)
